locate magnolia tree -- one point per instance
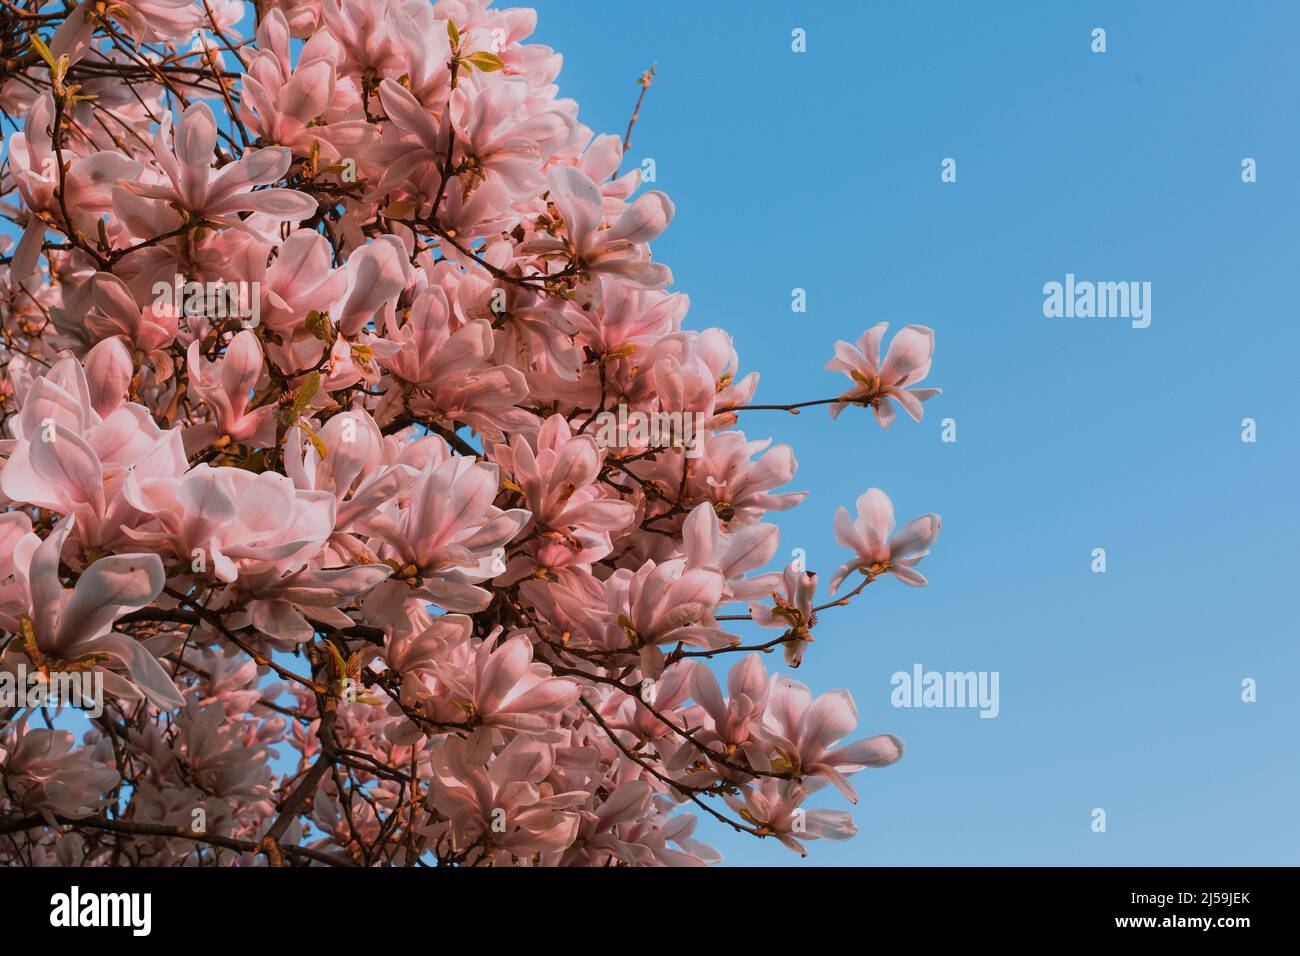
(363, 491)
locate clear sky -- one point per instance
(821, 170)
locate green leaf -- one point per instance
(336, 659)
(43, 51)
(485, 61)
(318, 325)
(453, 34)
(308, 388)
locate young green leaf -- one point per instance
(308, 388)
(43, 51)
(485, 61)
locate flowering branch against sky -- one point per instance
(349, 417)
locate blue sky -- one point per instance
(821, 170)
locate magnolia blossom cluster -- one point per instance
(360, 580)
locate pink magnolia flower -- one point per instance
(346, 458)
(775, 807)
(507, 689)
(662, 604)
(668, 696)
(806, 734)
(157, 19)
(530, 332)
(87, 184)
(509, 804)
(234, 683)
(109, 374)
(735, 718)
(286, 103)
(71, 629)
(302, 16)
(600, 162)
(228, 523)
(116, 312)
(69, 459)
(558, 482)
(617, 250)
(679, 828)
(219, 756)
(374, 275)
(733, 553)
(500, 138)
(628, 320)
(288, 607)
(877, 552)
(425, 48)
(299, 280)
(740, 485)
(453, 368)
(186, 159)
(361, 30)
(448, 539)
(226, 386)
(791, 610)
(907, 362)
(421, 658)
(43, 773)
(608, 834)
